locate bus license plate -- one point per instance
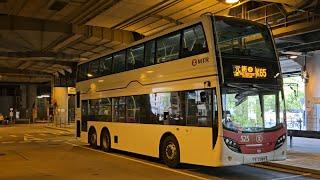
(260, 159)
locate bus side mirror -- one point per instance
(203, 97)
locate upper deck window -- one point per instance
(135, 57)
(93, 69)
(193, 41)
(150, 52)
(106, 65)
(183, 43)
(82, 72)
(244, 39)
(119, 61)
(168, 47)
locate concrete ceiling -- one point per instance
(50, 36)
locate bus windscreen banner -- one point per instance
(250, 71)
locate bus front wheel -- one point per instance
(170, 152)
(93, 139)
(105, 141)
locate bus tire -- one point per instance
(93, 138)
(170, 152)
(105, 141)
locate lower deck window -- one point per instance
(185, 108)
(199, 108)
(119, 109)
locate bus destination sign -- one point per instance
(249, 72)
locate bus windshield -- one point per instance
(252, 110)
(244, 39)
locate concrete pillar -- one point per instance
(60, 98)
(31, 95)
(24, 106)
(312, 93)
(23, 89)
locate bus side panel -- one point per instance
(137, 138)
(195, 142)
(196, 146)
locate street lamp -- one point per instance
(232, 1)
(293, 57)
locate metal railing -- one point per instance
(275, 17)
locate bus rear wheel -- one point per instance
(105, 141)
(93, 139)
(170, 152)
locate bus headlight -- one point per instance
(280, 141)
(232, 144)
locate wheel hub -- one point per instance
(105, 142)
(171, 151)
(93, 138)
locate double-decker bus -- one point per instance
(208, 93)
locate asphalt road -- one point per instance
(36, 152)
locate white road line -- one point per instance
(36, 139)
(64, 133)
(11, 135)
(57, 140)
(290, 177)
(7, 142)
(54, 133)
(142, 162)
(40, 141)
(31, 138)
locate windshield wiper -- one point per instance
(243, 96)
(273, 88)
(237, 87)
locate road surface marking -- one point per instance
(11, 135)
(57, 140)
(290, 177)
(7, 142)
(142, 162)
(31, 138)
(54, 133)
(281, 170)
(40, 141)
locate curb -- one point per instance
(62, 129)
(294, 168)
(287, 168)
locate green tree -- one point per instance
(294, 96)
(293, 102)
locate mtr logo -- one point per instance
(200, 61)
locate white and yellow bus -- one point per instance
(207, 93)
